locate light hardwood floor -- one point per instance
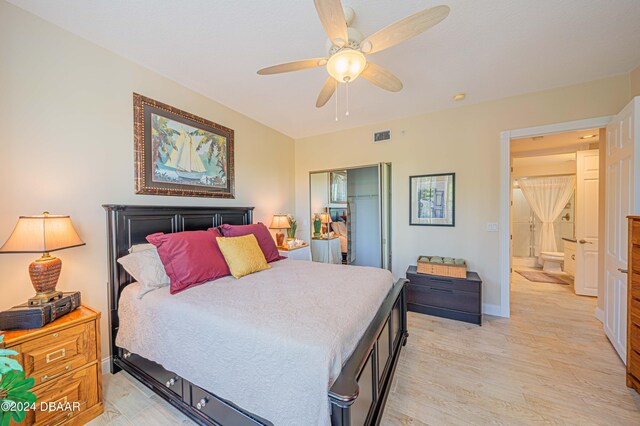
(549, 364)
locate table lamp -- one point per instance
(43, 234)
(325, 218)
(280, 222)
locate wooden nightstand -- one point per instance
(64, 359)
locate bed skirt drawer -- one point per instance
(170, 380)
(216, 408)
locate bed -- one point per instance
(361, 367)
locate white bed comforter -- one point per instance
(271, 342)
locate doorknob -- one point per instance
(585, 242)
(624, 271)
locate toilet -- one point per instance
(552, 261)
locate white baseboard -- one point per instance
(106, 365)
(600, 315)
(489, 309)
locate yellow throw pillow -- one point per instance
(243, 255)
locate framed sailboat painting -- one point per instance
(178, 153)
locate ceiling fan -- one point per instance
(346, 58)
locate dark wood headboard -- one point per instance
(129, 225)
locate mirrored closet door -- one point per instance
(351, 216)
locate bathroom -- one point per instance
(554, 210)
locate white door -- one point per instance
(587, 187)
(622, 199)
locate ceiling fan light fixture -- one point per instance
(346, 65)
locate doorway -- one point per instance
(554, 213)
(351, 215)
(506, 184)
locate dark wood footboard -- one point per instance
(358, 395)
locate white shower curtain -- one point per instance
(547, 196)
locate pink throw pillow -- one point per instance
(262, 234)
(190, 258)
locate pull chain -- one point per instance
(337, 87)
(347, 102)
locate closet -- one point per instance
(353, 206)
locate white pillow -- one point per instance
(146, 268)
(141, 247)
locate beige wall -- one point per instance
(634, 78)
(464, 140)
(66, 146)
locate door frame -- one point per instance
(504, 234)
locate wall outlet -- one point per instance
(492, 227)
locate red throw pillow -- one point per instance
(190, 258)
(262, 234)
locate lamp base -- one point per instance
(44, 298)
(280, 239)
(44, 274)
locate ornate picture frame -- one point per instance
(432, 200)
(181, 154)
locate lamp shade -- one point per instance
(280, 221)
(346, 65)
(325, 217)
(42, 234)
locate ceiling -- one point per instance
(555, 143)
(545, 160)
(489, 49)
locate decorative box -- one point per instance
(24, 316)
(436, 265)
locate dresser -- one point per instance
(454, 298)
(633, 305)
(63, 357)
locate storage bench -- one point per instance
(454, 298)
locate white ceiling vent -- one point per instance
(382, 136)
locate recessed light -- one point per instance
(459, 97)
(588, 136)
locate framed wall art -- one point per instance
(432, 199)
(178, 153)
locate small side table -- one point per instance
(326, 250)
(302, 252)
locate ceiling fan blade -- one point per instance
(294, 66)
(327, 92)
(332, 18)
(381, 78)
(404, 29)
